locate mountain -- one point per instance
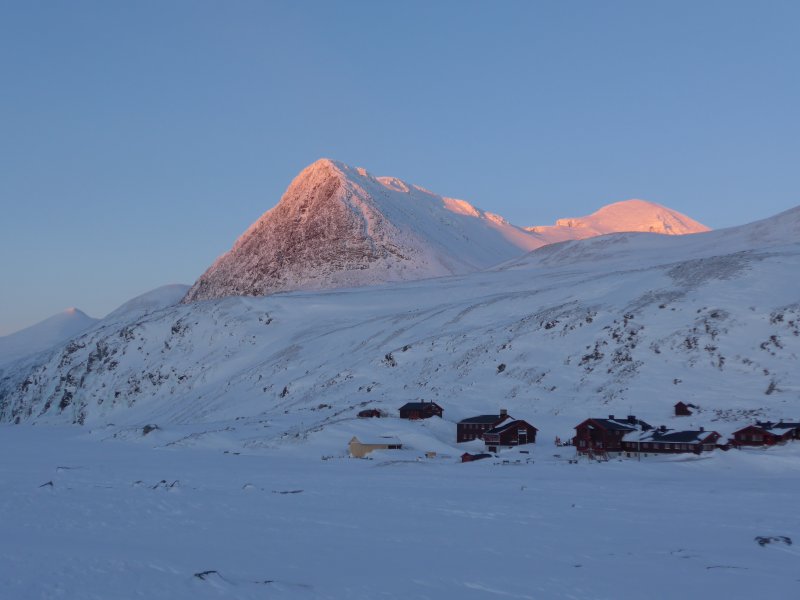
(623, 322)
(338, 226)
(626, 216)
(45, 334)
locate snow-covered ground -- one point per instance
(180, 513)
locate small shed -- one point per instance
(368, 413)
(420, 410)
(682, 409)
(467, 457)
(359, 449)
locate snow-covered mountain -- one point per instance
(622, 322)
(626, 216)
(45, 334)
(338, 226)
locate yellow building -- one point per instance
(359, 449)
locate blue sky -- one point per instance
(139, 139)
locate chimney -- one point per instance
(702, 429)
(610, 417)
(632, 419)
(503, 412)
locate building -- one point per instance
(467, 457)
(682, 409)
(514, 432)
(420, 410)
(474, 427)
(604, 436)
(766, 434)
(359, 449)
(370, 413)
(667, 441)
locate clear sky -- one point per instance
(139, 139)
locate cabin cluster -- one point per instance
(633, 437)
(495, 430)
(595, 437)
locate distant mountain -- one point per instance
(626, 216)
(45, 334)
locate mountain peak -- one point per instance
(626, 216)
(339, 226)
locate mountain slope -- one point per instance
(339, 227)
(626, 216)
(618, 323)
(161, 297)
(45, 334)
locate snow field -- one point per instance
(281, 523)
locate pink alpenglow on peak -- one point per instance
(621, 217)
(337, 226)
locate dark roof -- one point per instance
(503, 426)
(483, 419)
(684, 437)
(621, 424)
(780, 425)
(418, 405)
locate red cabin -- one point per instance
(666, 441)
(420, 410)
(601, 436)
(515, 432)
(766, 434)
(474, 427)
(467, 457)
(370, 413)
(683, 410)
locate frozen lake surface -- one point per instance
(85, 516)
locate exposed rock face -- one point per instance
(338, 227)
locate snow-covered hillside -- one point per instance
(626, 216)
(607, 325)
(44, 334)
(338, 226)
(161, 297)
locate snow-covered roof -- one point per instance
(377, 441)
(669, 436)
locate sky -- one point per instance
(139, 139)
